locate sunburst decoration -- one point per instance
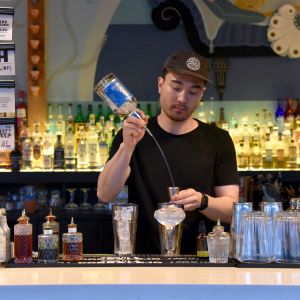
(284, 32)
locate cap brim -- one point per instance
(186, 72)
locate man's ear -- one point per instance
(160, 81)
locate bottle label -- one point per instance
(21, 113)
(72, 230)
(117, 93)
(268, 155)
(92, 152)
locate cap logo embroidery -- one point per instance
(193, 63)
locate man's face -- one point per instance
(180, 95)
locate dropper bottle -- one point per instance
(72, 247)
(23, 240)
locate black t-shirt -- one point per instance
(201, 159)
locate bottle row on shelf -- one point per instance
(70, 141)
(267, 139)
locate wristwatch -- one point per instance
(204, 202)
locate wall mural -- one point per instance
(234, 27)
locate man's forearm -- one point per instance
(114, 175)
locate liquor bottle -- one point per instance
(51, 122)
(149, 110)
(23, 240)
(36, 147)
(59, 154)
(279, 117)
(289, 113)
(21, 112)
(270, 123)
(280, 160)
(92, 145)
(222, 123)
(268, 158)
(4, 237)
(292, 155)
(79, 119)
(51, 223)
(70, 149)
(100, 121)
(242, 156)
(48, 246)
(256, 156)
(202, 250)
(60, 123)
(5, 162)
(72, 248)
(16, 158)
(27, 149)
(103, 150)
(81, 149)
(70, 120)
(297, 112)
(88, 116)
(47, 151)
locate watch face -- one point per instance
(204, 202)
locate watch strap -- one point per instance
(204, 202)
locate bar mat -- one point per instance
(146, 260)
(268, 265)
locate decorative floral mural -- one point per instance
(234, 27)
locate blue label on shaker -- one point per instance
(117, 93)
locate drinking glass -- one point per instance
(235, 228)
(254, 240)
(287, 237)
(124, 227)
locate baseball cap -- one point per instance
(188, 63)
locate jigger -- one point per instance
(173, 190)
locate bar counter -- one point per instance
(149, 283)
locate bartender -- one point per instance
(201, 158)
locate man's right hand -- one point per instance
(134, 130)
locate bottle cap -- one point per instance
(72, 227)
(218, 227)
(50, 217)
(23, 219)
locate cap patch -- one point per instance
(193, 63)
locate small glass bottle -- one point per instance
(23, 240)
(51, 223)
(72, 248)
(218, 243)
(48, 249)
(202, 250)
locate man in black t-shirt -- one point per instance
(201, 158)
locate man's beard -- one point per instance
(178, 117)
